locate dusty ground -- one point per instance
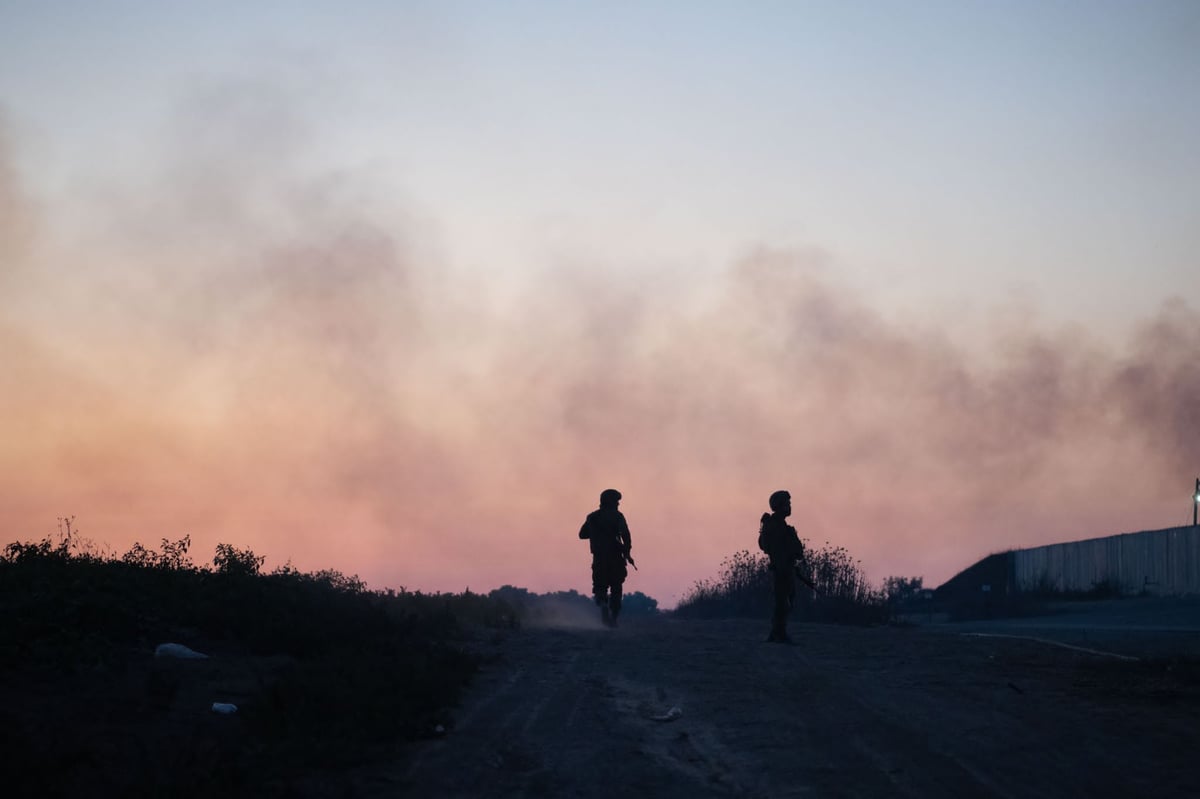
(928, 711)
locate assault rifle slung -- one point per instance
(804, 578)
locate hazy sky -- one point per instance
(399, 288)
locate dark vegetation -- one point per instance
(566, 606)
(326, 674)
(744, 588)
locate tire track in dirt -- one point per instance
(562, 716)
(495, 747)
(796, 730)
(909, 760)
(845, 713)
(1004, 711)
(805, 727)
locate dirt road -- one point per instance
(688, 709)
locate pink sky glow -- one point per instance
(332, 398)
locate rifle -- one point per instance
(802, 577)
(629, 558)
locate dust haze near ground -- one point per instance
(555, 614)
(253, 348)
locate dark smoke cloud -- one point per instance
(786, 358)
(269, 354)
(788, 380)
(1156, 388)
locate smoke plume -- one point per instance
(254, 350)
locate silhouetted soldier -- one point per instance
(778, 539)
(608, 537)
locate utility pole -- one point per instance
(1196, 502)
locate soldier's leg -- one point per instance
(599, 582)
(600, 588)
(778, 617)
(783, 601)
(614, 603)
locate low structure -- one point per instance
(1159, 562)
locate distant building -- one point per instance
(1160, 562)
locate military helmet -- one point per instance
(610, 496)
(777, 499)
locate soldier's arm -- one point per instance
(584, 532)
(626, 538)
(797, 546)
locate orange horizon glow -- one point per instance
(281, 403)
(233, 342)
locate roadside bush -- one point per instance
(353, 672)
(231, 560)
(744, 588)
(172, 555)
(902, 592)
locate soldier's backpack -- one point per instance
(764, 542)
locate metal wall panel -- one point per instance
(1165, 562)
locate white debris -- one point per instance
(177, 651)
(224, 708)
(672, 714)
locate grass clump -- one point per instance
(744, 588)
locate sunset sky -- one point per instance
(398, 288)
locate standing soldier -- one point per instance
(778, 539)
(608, 537)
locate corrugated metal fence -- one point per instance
(1165, 562)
